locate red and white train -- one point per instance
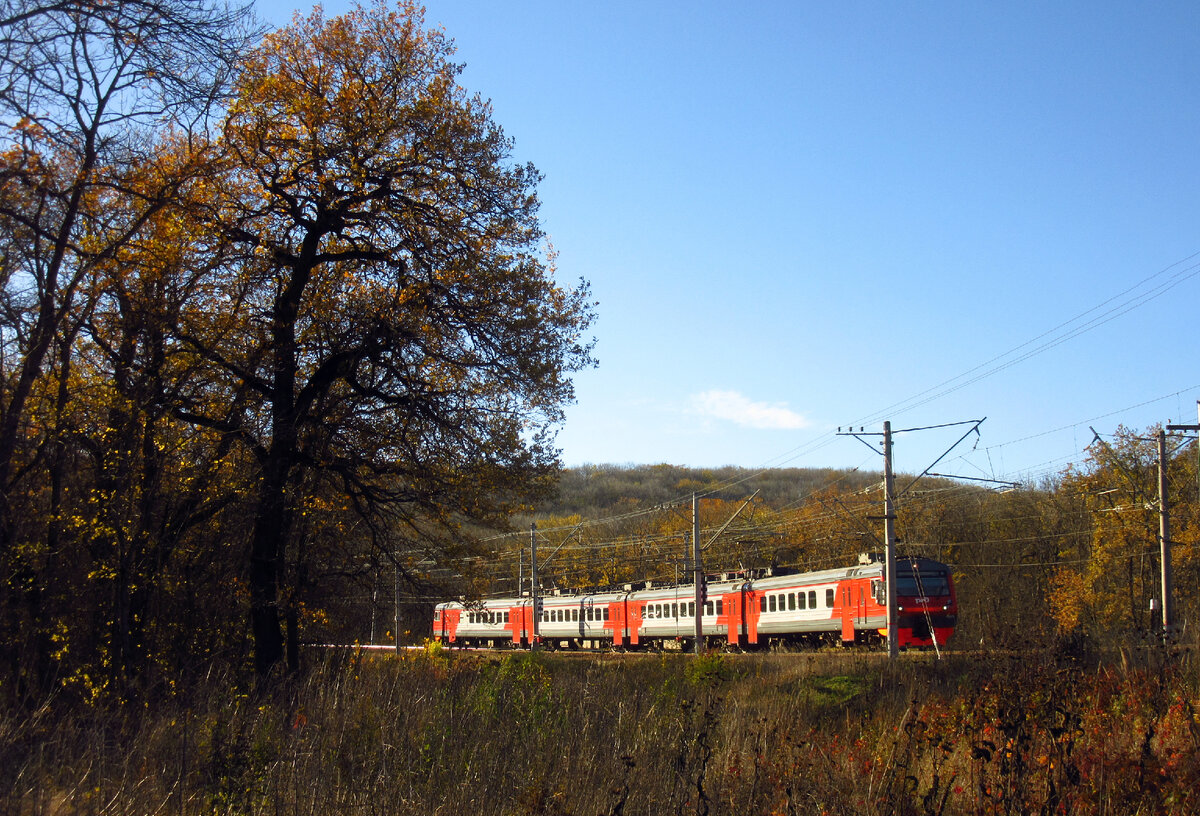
(847, 604)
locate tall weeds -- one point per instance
(470, 735)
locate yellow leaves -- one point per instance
(1069, 598)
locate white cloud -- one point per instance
(738, 409)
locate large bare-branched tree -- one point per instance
(396, 315)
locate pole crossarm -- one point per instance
(736, 513)
(1004, 482)
(570, 535)
(974, 423)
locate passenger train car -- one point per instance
(844, 605)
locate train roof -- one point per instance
(686, 592)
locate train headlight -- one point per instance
(899, 608)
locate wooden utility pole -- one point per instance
(1164, 535)
(397, 604)
(1164, 520)
(889, 534)
(533, 585)
(699, 574)
(889, 513)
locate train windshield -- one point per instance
(926, 582)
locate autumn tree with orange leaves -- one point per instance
(1106, 582)
(314, 332)
(395, 328)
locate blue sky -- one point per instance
(798, 216)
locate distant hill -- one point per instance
(600, 490)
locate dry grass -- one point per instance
(469, 735)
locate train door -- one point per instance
(616, 622)
(847, 599)
(750, 613)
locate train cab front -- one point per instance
(927, 609)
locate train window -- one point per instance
(771, 603)
(606, 613)
(829, 599)
(506, 617)
(762, 604)
(791, 601)
(691, 613)
(574, 614)
(674, 610)
(708, 608)
(924, 582)
(812, 599)
(802, 604)
(720, 607)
